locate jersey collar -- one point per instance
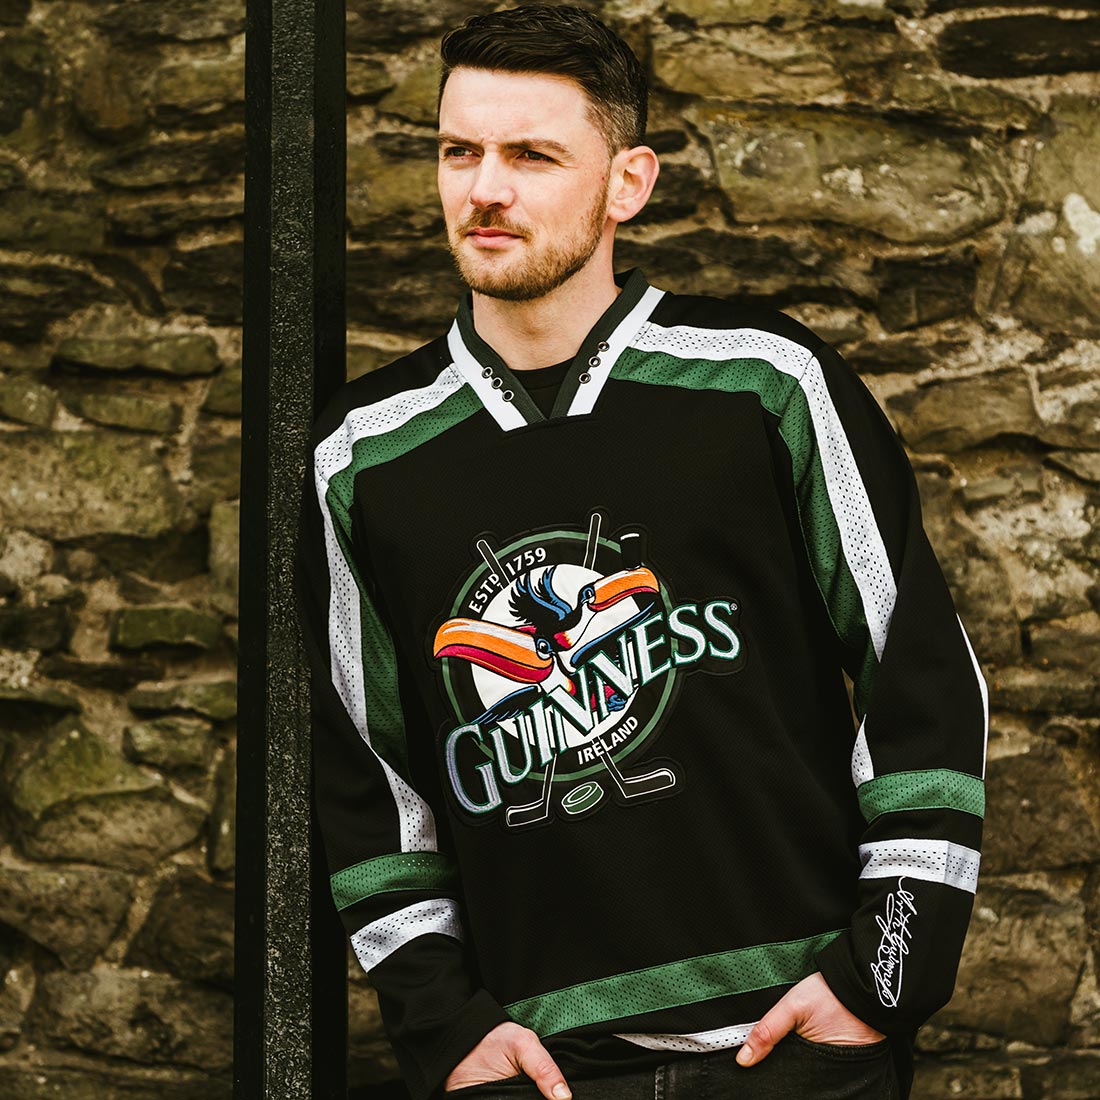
(504, 395)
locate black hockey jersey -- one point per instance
(584, 754)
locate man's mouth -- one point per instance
(490, 233)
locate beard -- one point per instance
(535, 276)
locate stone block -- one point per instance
(787, 12)
(135, 628)
(919, 292)
(1038, 814)
(215, 469)
(943, 96)
(165, 215)
(1082, 464)
(225, 521)
(392, 190)
(215, 699)
(1073, 642)
(196, 90)
(207, 280)
(66, 485)
(71, 911)
(184, 355)
(42, 628)
(938, 416)
(76, 798)
(38, 292)
(1020, 45)
(26, 401)
(126, 410)
(223, 398)
(105, 97)
(900, 180)
(748, 63)
(1068, 400)
(221, 841)
(1039, 691)
(117, 676)
(33, 708)
(43, 1079)
(973, 1079)
(1021, 961)
(174, 160)
(189, 931)
(381, 25)
(145, 21)
(367, 78)
(170, 743)
(137, 1015)
(414, 96)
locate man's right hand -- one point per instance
(507, 1050)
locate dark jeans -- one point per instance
(796, 1069)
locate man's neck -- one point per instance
(528, 335)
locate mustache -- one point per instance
(492, 223)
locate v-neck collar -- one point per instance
(502, 392)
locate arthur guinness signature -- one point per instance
(894, 945)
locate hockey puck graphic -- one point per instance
(582, 797)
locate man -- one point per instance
(580, 579)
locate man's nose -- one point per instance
(492, 186)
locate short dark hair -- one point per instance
(563, 40)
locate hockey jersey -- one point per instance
(585, 757)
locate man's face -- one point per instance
(517, 154)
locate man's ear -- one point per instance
(633, 175)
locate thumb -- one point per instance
(771, 1027)
(535, 1061)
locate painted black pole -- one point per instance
(290, 1017)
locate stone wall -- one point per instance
(918, 180)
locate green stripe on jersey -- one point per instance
(670, 984)
(934, 789)
(401, 871)
(385, 721)
(781, 394)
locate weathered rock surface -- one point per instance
(148, 627)
(43, 1081)
(138, 1015)
(73, 912)
(75, 798)
(894, 179)
(216, 699)
(183, 355)
(221, 840)
(29, 402)
(1037, 812)
(70, 484)
(933, 416)
(225, 522)
(172, 742)
(189, 932)
(1022, 960)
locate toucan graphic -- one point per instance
(553, 639)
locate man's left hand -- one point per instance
(811, 1010)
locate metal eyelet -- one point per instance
(507, 395)
(586, 377)
(594, 361)
(497, 383)
(487, 372)
(603, 345)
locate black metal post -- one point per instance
(290, 1037)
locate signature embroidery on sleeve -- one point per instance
(894, 945)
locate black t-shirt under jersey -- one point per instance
(543, 383)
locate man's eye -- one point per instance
(531, 152)
(453, 149)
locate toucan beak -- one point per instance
(501, 649)
(618, 586)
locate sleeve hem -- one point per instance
(479, 1016)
